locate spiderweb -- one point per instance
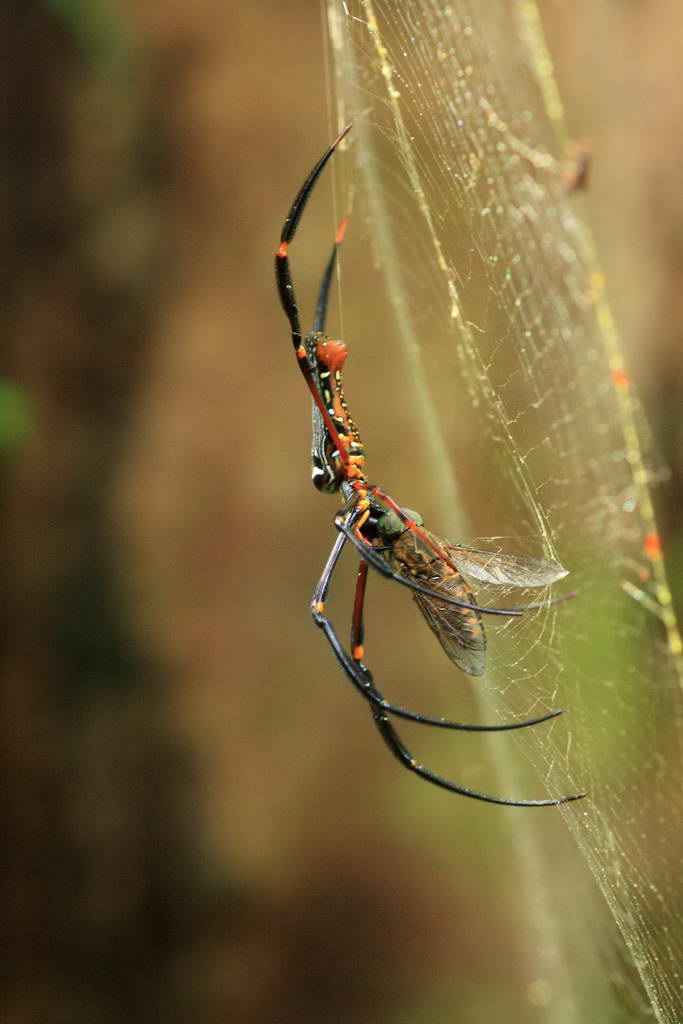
(457, 154)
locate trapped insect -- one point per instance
(391, 539)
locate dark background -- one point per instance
(198, 823)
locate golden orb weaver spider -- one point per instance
(392, 540)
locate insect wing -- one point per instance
(459, 631)
(502, 569)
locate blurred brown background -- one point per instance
(198, 822)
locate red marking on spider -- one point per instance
(332, 354)
(653, 546)
(340, 230)
(620, 379)
(282, 250)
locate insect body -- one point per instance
(460, 631)
(392, 540)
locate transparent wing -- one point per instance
(499, 568)
(460, 632)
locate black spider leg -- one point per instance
(380, 710)
(383, 567)
(487, 611)
(360, 676)
(303, 195)
(282, 271)
(404, 757)
(286, 288)
(324, 293)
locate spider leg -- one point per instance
(357, 624)
(282, 271)
(304, 193)
(286, 292)
(360, 676)
(383, 567)
(326, 283)
(388, 500)
(404, 757)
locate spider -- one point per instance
(391, 539)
